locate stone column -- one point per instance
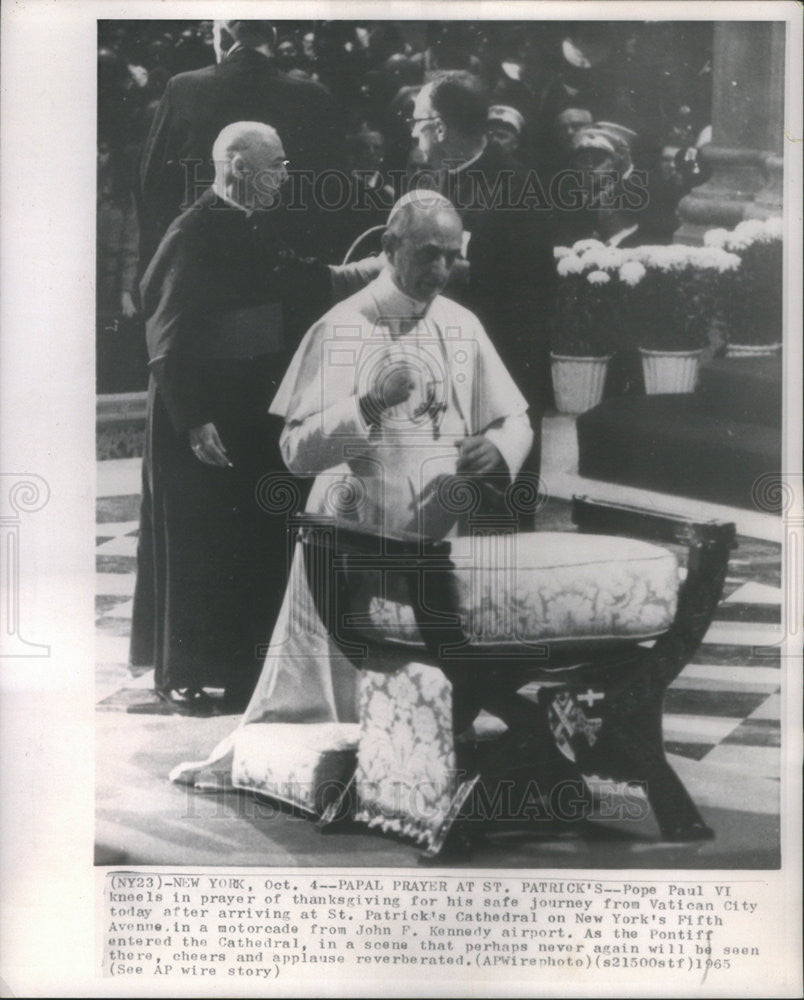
(745, 155)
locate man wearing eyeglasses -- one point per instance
(506, 223)
(218, 299)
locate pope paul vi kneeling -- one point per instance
(393, 394)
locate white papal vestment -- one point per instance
(379, 471)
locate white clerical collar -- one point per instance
(463, 166)
(394, 303)
(617, 238)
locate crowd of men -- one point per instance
(257, 174)
(341, 94)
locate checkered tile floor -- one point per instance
(723, 708)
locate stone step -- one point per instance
(672, 444)
(748, 390)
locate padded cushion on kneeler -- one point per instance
(406, 769)
(301, 764)
(555, 587)
(407, 762)
(671, 444)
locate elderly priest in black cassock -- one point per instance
(218, 298)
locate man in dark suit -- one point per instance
(510, 250)
(211, 564)
(244, 85)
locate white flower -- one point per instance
(749, 229)
(670, 258)
(583, 245)
(561, 252)
(603, 258)
(679, 255)
(769, 230)
(715, 237)
(745, 233)
(711, 258)
(570, 265)
(774, 227)
(652, 256)
(598, 278)
(702, 256)
(632, 272)
(719, 260)
(642, 254)
(737, 243)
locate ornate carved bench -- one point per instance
(600, 624)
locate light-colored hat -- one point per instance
(606, 136)
(593, 138)
(621, 132)
(610, 138)
(508, 116)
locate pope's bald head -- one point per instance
(420, 209)
(249, 164)
(422, 241)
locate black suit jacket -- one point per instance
(511, 265)
(176, 164)
(214, 267)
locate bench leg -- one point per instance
(620, 737)
(644, 762)
(617, 733)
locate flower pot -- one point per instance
(670, 371)
(578, 382)
(751, 350)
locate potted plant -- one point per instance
(585, 328)
(751, 296)
(672, 311)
